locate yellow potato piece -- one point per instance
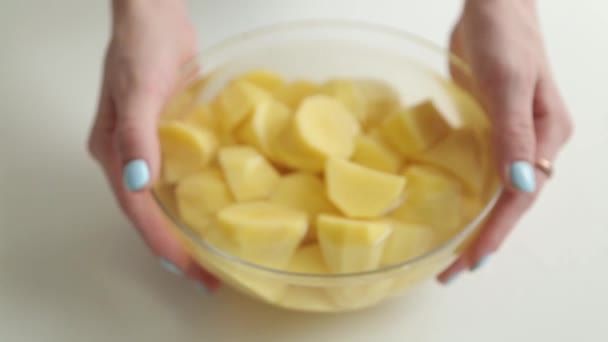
(289, 151)
(368, 100)
(375, 155)
(264, 79)
(260, 232)
(249, 175)
(468, 110)
(293, 93)
(362, 192)
(381, 100)
(184, 102)
(461, 153)
(263, 127)
(326, 127)
(321, 128)
(204, 116)
(351, 245)
(209, 116)
(200, 196)
(407, 241)
(415, 129)
(241, 277)
(237, 102)
(309, 260)
(305, 192)
(185, 149)
(433, 199)
(165, 194)
(349, 94)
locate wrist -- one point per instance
(489, 2)
(125, 10)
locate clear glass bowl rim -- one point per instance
(334, 24)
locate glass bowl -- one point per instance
(318, 51)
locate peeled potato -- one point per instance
(414, 130)
(292, 94)
(263, 127)
(200, 196)
(289, 151)
(249, 175)
(305, 192)
(321, 128)
(367, 99)
(165, 193)
(373, 154)
(433, 199)
(264, 79)
(468, 110)
(326, 127)
(237, 102)
(349, 94)
(183, 103)
(362, 192)
(351, 245)
(407, 241)
(204, 116)
(381, 100)
(462, 154)
(308, 259)
(185, 149)
(261, 232)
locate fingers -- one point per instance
(152, 224)
(450, 274)
(459, 71)
(553, 124)
(508, 95)
(553, 127)
(140, 206)
(136, 136)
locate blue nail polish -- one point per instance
(522, 176)
(136, 174)
(202, 289)
(451, 278)
(480, 263)
(169, 266)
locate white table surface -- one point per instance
(72, 269)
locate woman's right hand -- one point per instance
(151, 43)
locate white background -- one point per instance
(72, 269)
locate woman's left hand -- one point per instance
(502, 43)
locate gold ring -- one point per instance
(545, 166)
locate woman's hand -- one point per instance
(502, 43)
(151, 42)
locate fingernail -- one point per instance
(202, 289)
(451, 278)
(170, 267)
(522, 176)
(480, 263)
(136, 174)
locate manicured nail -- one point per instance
(522, 176)
(480, 263)
(451, 278)
(202, 289)
(136, 174)
(169, 266)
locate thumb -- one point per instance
(136, 137)
(508, 95)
